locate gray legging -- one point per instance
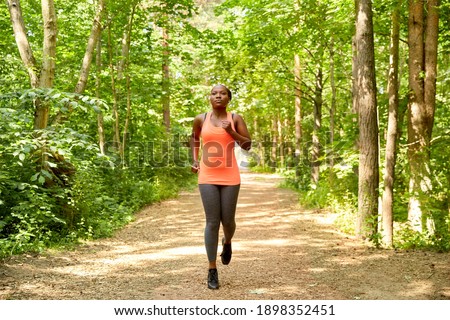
(219, 203)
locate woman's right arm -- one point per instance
(195, 142)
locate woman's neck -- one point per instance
(219, 113)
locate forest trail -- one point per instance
(281, 251)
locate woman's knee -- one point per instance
(229, 225)
(213, 226)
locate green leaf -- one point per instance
(51, 164)
(46, 173)
(41, 180)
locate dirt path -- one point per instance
(280, 252)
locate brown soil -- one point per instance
(280, 252)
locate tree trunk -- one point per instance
(431, 53)
(392, 133)
(274, 155)
(116, 128)
(261, 160)
(48, 61)
(88, 56)
(366, 103)
(122, 68)
(422, 82)
(126, 43)
(315, 152)
(20, 33)
(332, 109)
(90, 48)
(128, 116)
(166, 79)
(355, 68)
(298, 105)
(44, 77)
(281, 156)
(100, 123)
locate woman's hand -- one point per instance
(227, 126)
(195, 167)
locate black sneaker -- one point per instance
(213, 279)
(226, 252)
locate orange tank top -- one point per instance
(218, 163)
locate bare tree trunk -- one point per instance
(366, 99)
(392, 133)
(422, 81)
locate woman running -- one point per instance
(218, 173)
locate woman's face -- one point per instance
(219, 97)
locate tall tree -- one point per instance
(423, 42)
(332, 105)
(122, 68)
(40, 76)
(298, 105)
(366, 102)
(317, 111)
(86, 63)
(166, 78)
(100, 118)
(392, 132)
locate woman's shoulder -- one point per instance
(200, 119)
(236, 117)
(201, 116)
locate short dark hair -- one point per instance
(229, 93)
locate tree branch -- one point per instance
(20, 33)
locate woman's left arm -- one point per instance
(241, 135)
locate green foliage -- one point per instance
(406, 238)
(56, 187)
